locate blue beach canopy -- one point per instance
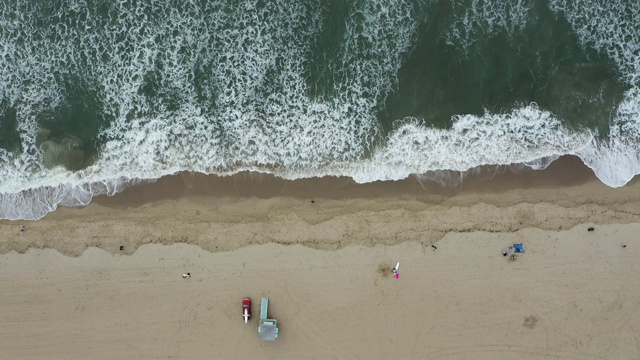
(518, 248)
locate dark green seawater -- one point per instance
(540, 60)
(95, 94)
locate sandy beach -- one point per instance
(322, 251)
(160, 161)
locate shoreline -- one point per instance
(566, 171)
(109, 274)
(223, 214)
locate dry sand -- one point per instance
(326, 266)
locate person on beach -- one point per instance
(395, 270)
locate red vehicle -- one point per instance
(246, 309)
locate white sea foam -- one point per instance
(257, 115)
(259, 118)
(483, 18)
(526, 135)
(613, 28)
(616, 159)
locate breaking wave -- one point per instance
(94, 98)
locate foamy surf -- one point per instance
(257, 87)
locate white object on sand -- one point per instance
(396, 268)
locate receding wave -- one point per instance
(95, 97)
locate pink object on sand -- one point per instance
(397, 276)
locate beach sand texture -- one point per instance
(326, 268)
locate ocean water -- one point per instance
(98, 95)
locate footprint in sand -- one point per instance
(530, 322)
